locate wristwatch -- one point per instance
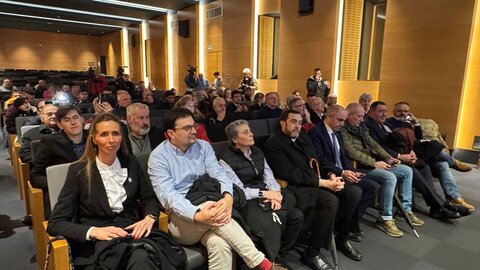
(152, 217)
(260, 194)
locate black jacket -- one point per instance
(267, 112)
(250, 174)
(289, 161)
(155, 135)
(319, 89)
(54, 149)
(323, 147)
(394, 123)
(10, 121)
(80, 207)
(34, 134)
(380, 135)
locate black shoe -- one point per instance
(444, 213)
(356, 236)
(350, 251)
(457, 208)
(27, 220)
(316, 263)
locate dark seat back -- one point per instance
(220, 147)
(20, 122)
(34, 145)
(259, 127)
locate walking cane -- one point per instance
(311, 162)
(404, 213)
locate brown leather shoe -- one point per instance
(461, 166)
(462, 202)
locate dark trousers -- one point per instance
(291, 230)
(326, 206)
(349, 199)
(369, 192)
(140, 259)
(422, 182)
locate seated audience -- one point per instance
(14, 94)
(48, 126)
(7, 86)
(169, 98)
(21, 107)
(289, 152)
(245, 164)
(203, 102)
(124, 99)
(431, 131)
(331, 100)
(297, 104)
(374, 161)
(141, 137)
(237, 105)
(220, 113)
(188, 102)
(296, 93)
(271, 109)
(228, 95)
(381, 132)
(98, 206)
(328, 144)
(206, 221)
(365, 100)
(63, 147)
(258, 102)
(82, 96)
(40, 88)
(316, 86)
(50, 92)
(29, 94)
(440, 162)
(316, 108)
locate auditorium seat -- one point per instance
(157, 122)
(259, 127)
(21, 120)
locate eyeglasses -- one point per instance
(188, 128)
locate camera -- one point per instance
(191, 69)
(102, 97)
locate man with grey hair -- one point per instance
(316, 107)
(247, 167)
(7, 86)
(141, 137)
(271, 109)
(365, 100)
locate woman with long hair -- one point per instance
(188, 102)
(258, 102)
(100, 199)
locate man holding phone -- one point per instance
(380, 167)
(328, 144)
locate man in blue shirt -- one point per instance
(173, 168)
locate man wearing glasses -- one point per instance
(271, 109)
(173, 167)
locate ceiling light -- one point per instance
(70, 10)
(58, 20)
(132, 5)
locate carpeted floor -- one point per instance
(442, 245)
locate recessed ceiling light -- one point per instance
(70, 10)
(59, 20)
(132, 5)
(58, 31)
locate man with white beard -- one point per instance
(142, 138)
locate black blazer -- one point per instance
(155, 135)
(323, 147)
(289, 161)
(394, 123)
(54, 149)
(78, 209)
(380, 135)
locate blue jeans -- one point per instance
(388, 180)
(442, 169)
(442, 156)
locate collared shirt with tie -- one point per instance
(335, 146)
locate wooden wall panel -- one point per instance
(269, 6)
(157, 52)
(185, 49)
(351, 37)
(213, 42)
(135, 54)
(349, 91)
(237, 41)
(111, 48)
(265, 46)
(306, 42)
(45, 50)
(424, 57)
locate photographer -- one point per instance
(248, 82)
(191, 79)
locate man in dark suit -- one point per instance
(422, 177)
(141, 137)
(316, 108)
(328, 144)
(64, 147)
(289, 152)
(48, 126)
